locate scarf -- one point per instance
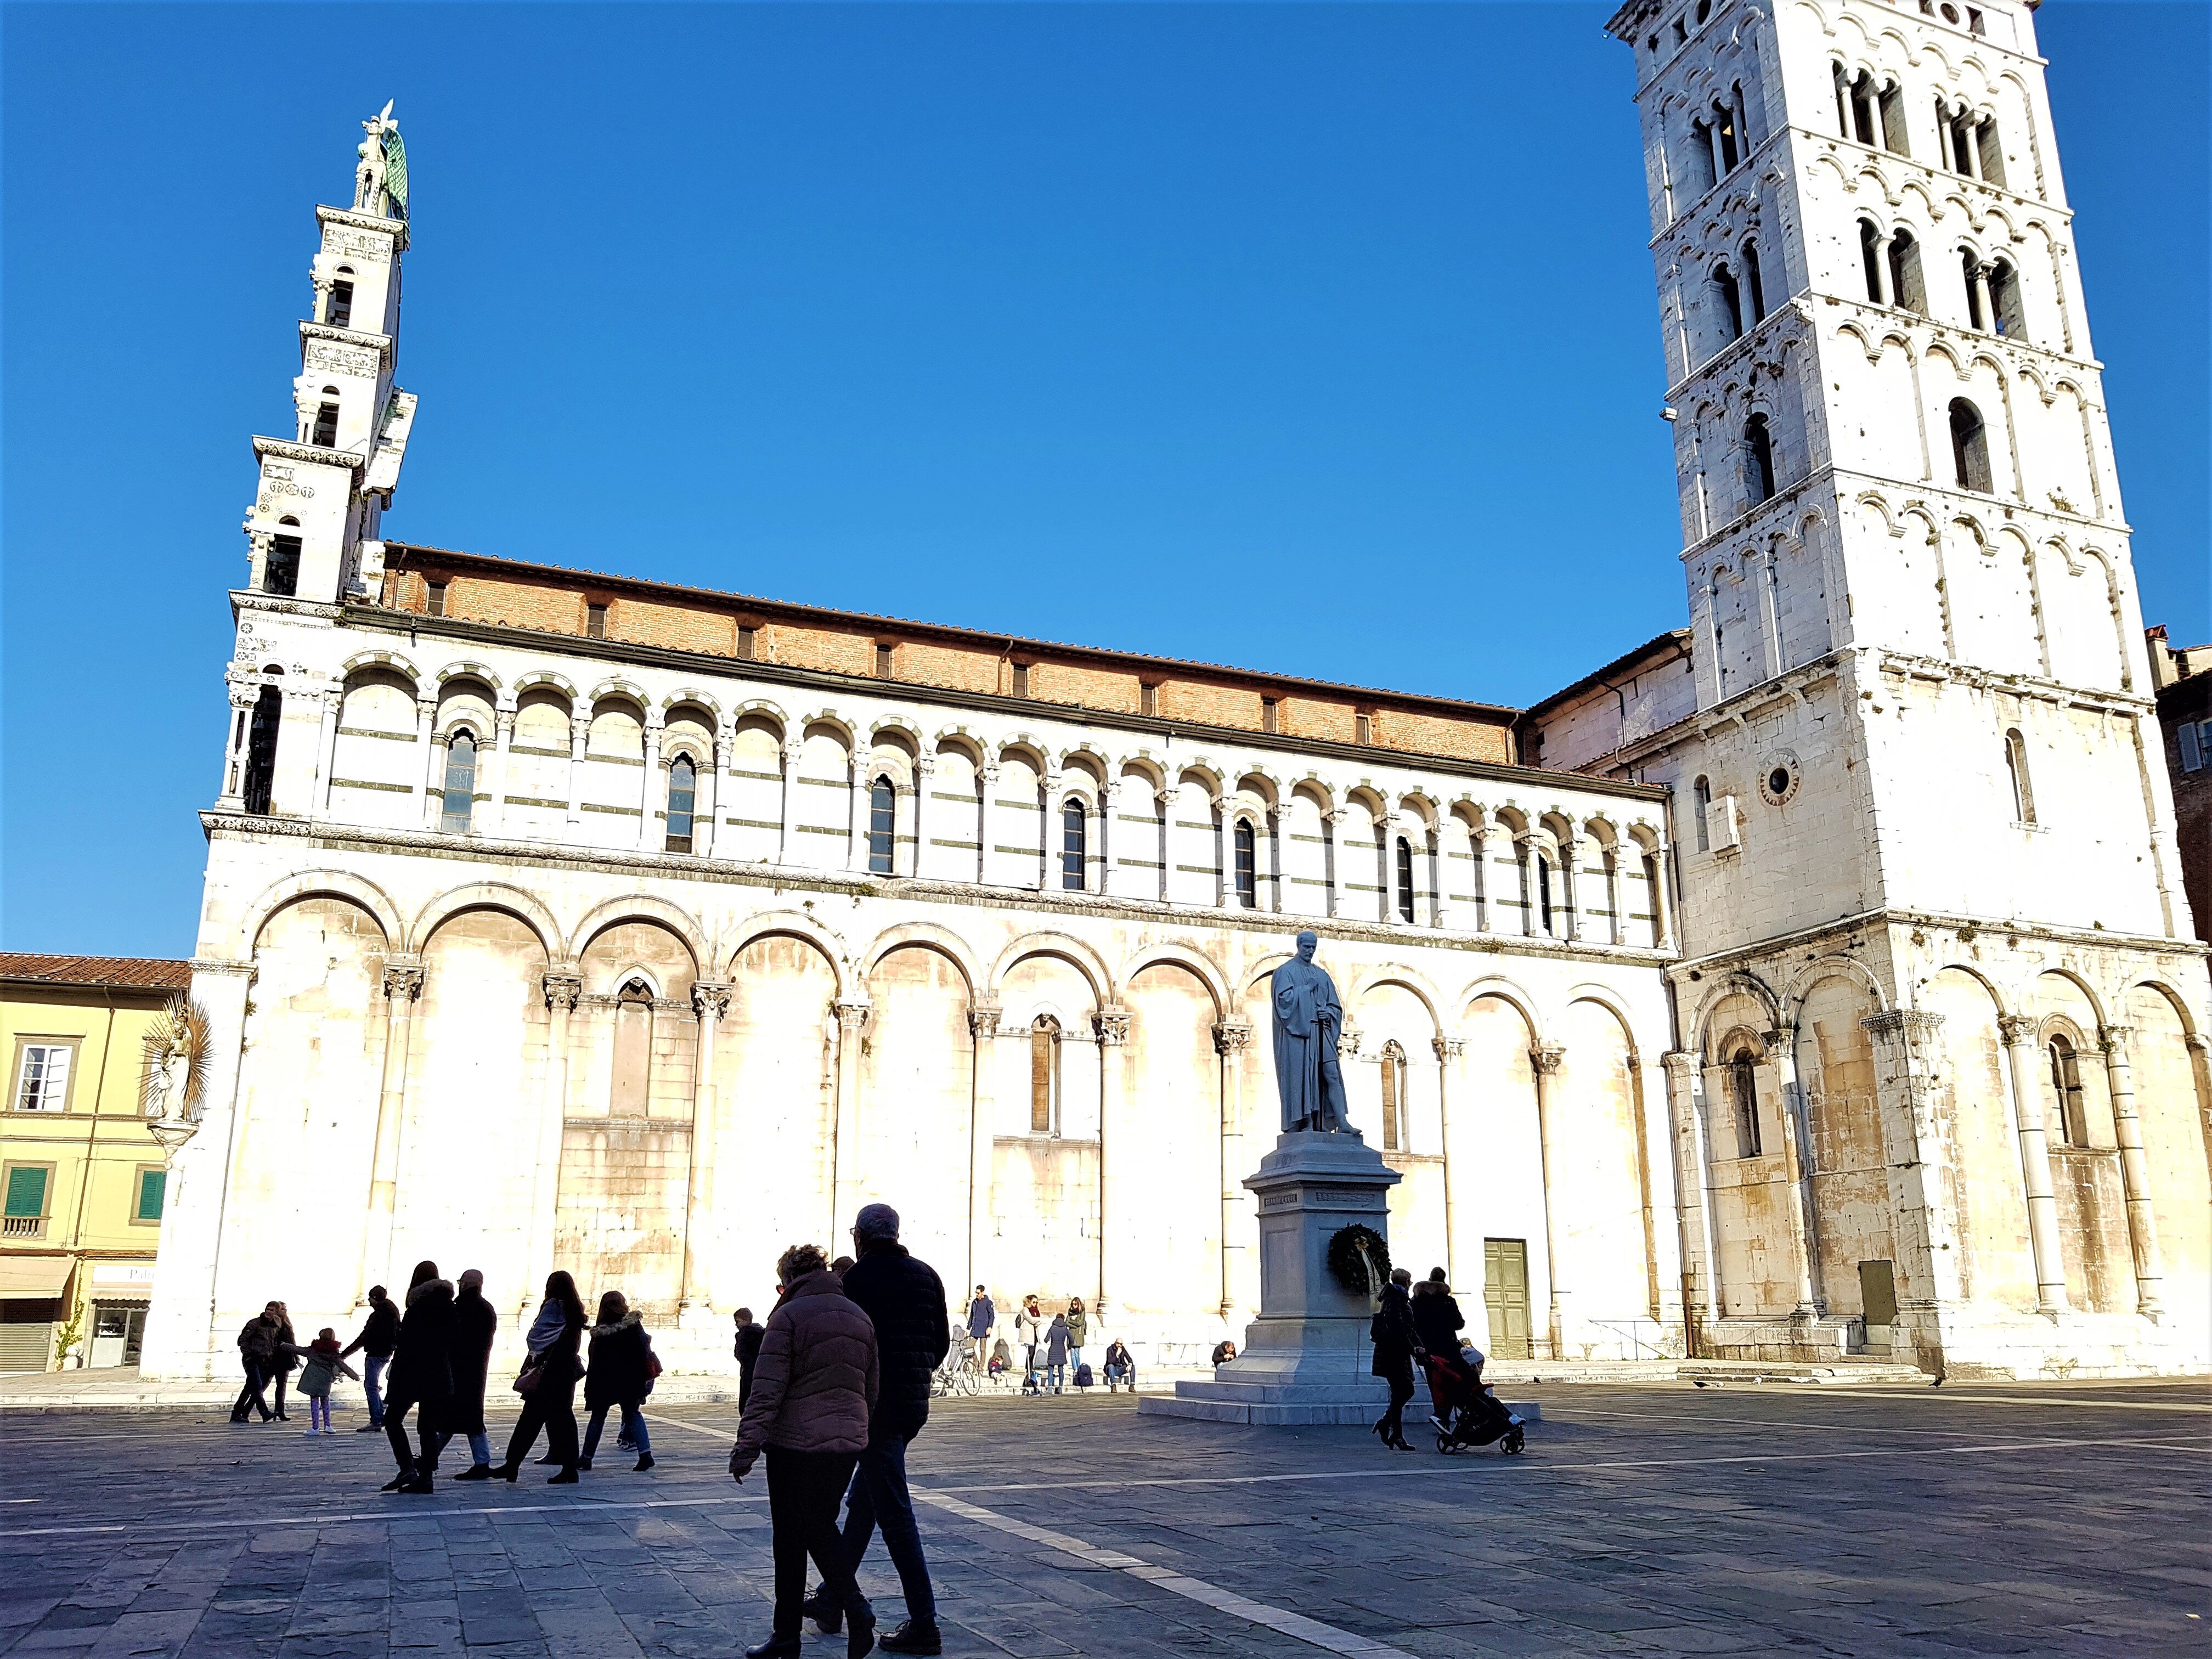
(552, 1320)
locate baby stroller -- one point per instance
(1467, 1412)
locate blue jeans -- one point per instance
(1057, 1377)
(372, 1383)
(879, 1498)
(633, 1422)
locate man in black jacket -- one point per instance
(746, 1346)
(905, 1299)
(379, 1334)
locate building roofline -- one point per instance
(1679, 638)
(151, 974)
(399, 554)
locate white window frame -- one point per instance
(27, 1046)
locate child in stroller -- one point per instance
(1467, 1412)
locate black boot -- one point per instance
(912, 1637)
(828, 1617)
(474, 1472)
(566, 1478)
(859, 1627)
(776, 1647)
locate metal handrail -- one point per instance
(1635, 1341)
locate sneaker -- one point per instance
(912, 1637)
(309, 1434)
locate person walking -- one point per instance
(475, 1323)
(320, 1361)
(257, 1348)
(1078, 1331)
(620, 1375)
(982, 1315)
(1029, 1330)
(1395, 1345)
(747, 1348)
(548, 1383)
(904, 1300)
(813, 1393)
(283, 1355)
(379, 1332)
(1056, 1354)
(422, 1377)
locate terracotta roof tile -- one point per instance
(134, 972)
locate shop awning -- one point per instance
(33, 1277)
(122, 1280)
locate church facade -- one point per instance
(553, 918)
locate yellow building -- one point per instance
(82, 1179)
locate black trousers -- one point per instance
(550, 1408)
(1400, 1376)
(395, 1430)
(250, 1396)
(803, 1493)
(283, 1377)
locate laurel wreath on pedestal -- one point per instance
(1359, 1259)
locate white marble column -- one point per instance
(1544, 1061)
(326, 749)
(2135, 1173)
(561, 987)
(500, 759)
(1693, 1179)
(1448, 1053)
(857, 820)
(403, 985)
(1113, 1052)
(852, 1018)
(707, 806)
(1798, 1151)
(982, 1131)
(1231, 1037)
(427, 795)
(710, 1001)
(244, 694)
(1276, 878)
(579, 735)
(1484, 844)
(925, 782)
(2018, 1031)
(987, 812)
(1225, 853)
(652, 790)
(1164, 803)
(787, 845)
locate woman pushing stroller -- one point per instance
(1466, 1413)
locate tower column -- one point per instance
(563, 989)
(982, 1130)
(707, 813)
(425, 723)
(403, 985)
(852, 1020)
(1544, 1061)
(326, 749)
(787, 835)
(579, 735)
(652, 789)
(502, 760)
(1231, 1037)
(987, 803)
(711, 1001)
(925, 781)
(1782, 1049)
(2135, 1172)
(2018, 1033)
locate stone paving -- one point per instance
(2045, 1519)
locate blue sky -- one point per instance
(1315, 338)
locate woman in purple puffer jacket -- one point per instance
(814, 1387)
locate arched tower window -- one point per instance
(683, 797)
(1727, 138)
(1758, 460)
(1540, 870)
(1044, 1075)
(460, 797)
(1890, 108)
(883, 819)
(1701, 803)
(280, 571)
(2023, 793)
(1244, 848)
(1989, 152)
(1743, 1097)
(1405, 873)
(1970, 446)
(326, 435)
(1074, 847)
(2066, 1092)
(340, 313)
(1755, 287)
(1729, 296)
(2004, 299)
(1870, 258)
(261, 750)
(1702, 173)
(1906, 291)
(1394, 1096)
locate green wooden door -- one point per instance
(1505, 1292)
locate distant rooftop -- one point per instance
(120, 973)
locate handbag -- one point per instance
(531, 1374)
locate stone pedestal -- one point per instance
(1305, 1359)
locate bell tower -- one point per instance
(312, 527)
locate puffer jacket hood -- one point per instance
(816, 1378)
(430, 1287)
(619, 1373)
(633, 1317)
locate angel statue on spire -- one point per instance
(380, 183)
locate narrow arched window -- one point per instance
(1759, 460)
(1970, 446)
(1245, 847)
(280, 573)
(883, 818)
(1539, 868)
(1701, 803)
(260, 784)
(326, 435)
(1890, 109)
(1404, 880)
(1970, 270)
(683, 797)
(2004, 300)
(1703, 174)
(1073, 846)
(1989, 152)
(1725, 134)
(629, 1092)
(1743, 1095)
(1870, 258)
(340, 311)
(1044, 1074)
(1755, 287)
(1907, 290)
(1840, 77)
(460, 798)
(1728, 295)
(1393, 1068)
(1861, 108)
(2066, 1092)
(2023, 793)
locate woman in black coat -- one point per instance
(551, 1372)
(621, 1374)
(280, 1362)
(1396, 1344)
(1438, 1320)
(422, 1377)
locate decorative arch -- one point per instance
(2089, 991)
(1217, 982)
(793, 924)
(386, 660)
(1803, 983)
(1069, 949)
(1422, 988)
(526, 908)
(470, 671)
(642, 907)
(1498, 987)
(625, 689)
(926, 935)
(831, 718)
(1604, 997)
(1735, 984)
(690, 694)
(310, 883)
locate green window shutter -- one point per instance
(26, 1192)
(153, 1187)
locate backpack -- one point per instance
(1083, 1378)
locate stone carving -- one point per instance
(1546, 1058)
(711, 1001)
(563, 991)
(1308, 1019)
(402, 983)
(1114, 1026)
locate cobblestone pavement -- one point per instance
(2058, 1519)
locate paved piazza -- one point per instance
(1972, 1520)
